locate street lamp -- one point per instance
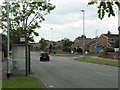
(52, 34)
(51, 40)
(83, 32)
(119, 43)
(96, 32)
(8, 42)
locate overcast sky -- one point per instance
(66, 21)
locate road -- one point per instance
(64, 72)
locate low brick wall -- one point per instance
(110, 55)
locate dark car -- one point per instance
(44, 56)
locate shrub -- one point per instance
(101, 51)
(108, 49)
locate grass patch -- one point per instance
(62, 55)
(21, 82)
(0, 84)
(99, 61)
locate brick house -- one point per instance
(78, 42)
(109, 39)
(94, 46)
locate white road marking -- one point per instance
(50, 86)
(103, 74)
(74, 57)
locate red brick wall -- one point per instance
(103, 39)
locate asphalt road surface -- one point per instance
(65, 72)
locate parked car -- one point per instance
(44, 56)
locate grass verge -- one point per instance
(62, 55)
(0, 84)
(99, 61)
(21, 82)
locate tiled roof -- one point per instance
(111, 35)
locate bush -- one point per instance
(67, 49)
(101, 51)
(109, 49)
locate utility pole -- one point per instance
(83, 32)
(8, 42)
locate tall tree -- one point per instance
(66, 44)
(24, 17)
(43, 43)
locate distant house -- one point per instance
(94, 46)
(78, 42)
(109, 39)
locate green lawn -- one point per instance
(0, 83)
(99, 61)
(62, 55)
(22, 82)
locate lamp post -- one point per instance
(119, 43)
(96, 32)
(8, 42)
(83, 32)
(51, 40)
(52, 34)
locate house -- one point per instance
(109, 39)
(78, 42)
(94, 46)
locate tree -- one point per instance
(43, 44)
(105, 6)
(67, 44)
(24, 17)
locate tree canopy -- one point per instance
(106, 6)
(24, 17)
(43, 44)
(67, 42)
